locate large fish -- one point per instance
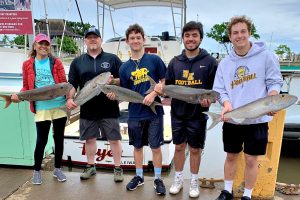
(187, 94)
(41, 94)
(91, 88)
(256, 108)
(124, 94)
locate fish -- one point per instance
(40, 94)
(255, 109)
(187, 94)
(91, 89)
(124, 94)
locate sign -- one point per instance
(15, 17)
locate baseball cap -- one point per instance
(42, 37)
(92, 30)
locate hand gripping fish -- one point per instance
(40, 94)
(91, 88)
(187, 94)
(256, 108)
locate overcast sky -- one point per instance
(277, 21)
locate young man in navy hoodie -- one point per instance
(248, 73)
(194, 67)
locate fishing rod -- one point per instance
(79, 13)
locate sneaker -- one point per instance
(57, 173)
(177, 185)
(88, 173)
(118, 174)
(245, 198)
(159, 187)
(225, 195)
(194, 188)
(36, 178)
(135, 182)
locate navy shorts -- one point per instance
(191, 131)
(108, 128)
(146, 132)
(254, 137)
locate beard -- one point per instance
(192, 49)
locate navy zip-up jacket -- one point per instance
(197, 72)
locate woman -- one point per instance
(42, 69)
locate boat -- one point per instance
(166, 47)
(291, 77)
(163, 45)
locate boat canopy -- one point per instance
(110, 5)
(118, 4)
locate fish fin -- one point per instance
(87, 83)
(216, 118)
(99, 90)
(152, 85)
(7, 99)
(155, 103)
(152, 106)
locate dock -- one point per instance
(15, 184)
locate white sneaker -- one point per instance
(177, 185)
(194, 188)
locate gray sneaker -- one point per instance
(118, 174)
(36, 178)
(57, 173)
(88, 173)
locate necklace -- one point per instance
(137, 62)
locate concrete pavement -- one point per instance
(15, 184)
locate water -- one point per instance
(289, 163)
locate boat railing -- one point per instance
(120, 39)
(16, 46)
(159, 45)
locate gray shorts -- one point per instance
(108, 128)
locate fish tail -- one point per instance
(216, 118)
(68, 112)
(152, 85)
(153, 108)
(7, 99)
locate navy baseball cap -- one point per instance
(92, 30)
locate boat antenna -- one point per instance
(79, 12)
(63, 33)
(46, 18)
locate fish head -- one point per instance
(102, 78)
(68, 87)
(284, 100)
(211, 95)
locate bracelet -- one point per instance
(158, 93)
